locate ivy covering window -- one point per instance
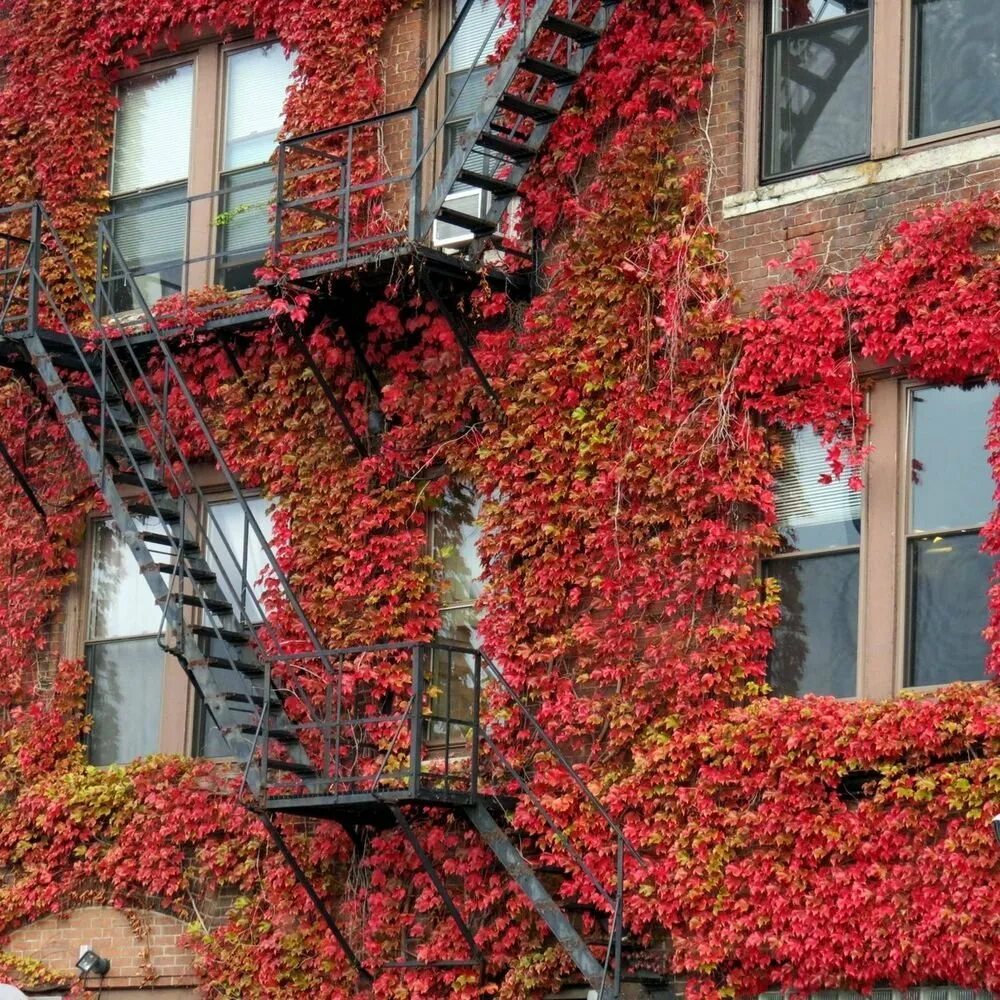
(950, 496)
(149, 182)
(256, 82)
(123, 656)
(955, 65)
(817, 85)
(816, 641)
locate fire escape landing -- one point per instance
(318, 731)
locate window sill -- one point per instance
(859, 175)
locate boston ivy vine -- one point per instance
(629, 483)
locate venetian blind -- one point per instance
(153, 130)
(801, 498)
(482, 24)
(256, 81)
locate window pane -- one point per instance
(956, 65)
(796, 13)
(812, 514)
(121, 603)
(817, 100)
(244, 559)
(153, 130)
(950, 481)
(150, 231)
(256, 81)
(125, 699)
(452, 678)
(477, 39)
(455, 536)
(244, 225)
(949, 579)
(816, 642)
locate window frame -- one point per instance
(883, 578)
(203, 264)
(892, 85)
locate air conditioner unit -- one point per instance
(470, 201)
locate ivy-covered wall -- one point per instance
(632, 481)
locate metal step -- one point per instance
(529, 109)
(109, 422)
(513, 150)
(250, 670)
(240, 697)
(91, 392)
(142, 482)
(281, 735)
(582, 33)
(226, 635)
(163, 511)
(191, 572)
(169, 541)
(549, 70)
(207, 603)
(473, 223)
(293, 767)
(499, 188)
(132, 453)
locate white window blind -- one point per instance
(256, 82)
(481, 24)
(801, 499)
(231, 540)
(153, 130)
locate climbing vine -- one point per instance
(627, 476)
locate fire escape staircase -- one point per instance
(525, 97)
(339, 752)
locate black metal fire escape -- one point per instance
(333, 749)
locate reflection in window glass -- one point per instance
(236, 555)
(950, 497)
(454, 543)
(815, 643)
(817, 89)
(123, 656)
(956, 65)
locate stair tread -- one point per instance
(200, 601)
(143, 482)
(511, 148)
(220, 663)
(90, 392)
(529, 109)
(471, 222)
(162, 511)
(549, 70)
(225, 634)
(293, 767)
(281, 735)
(158, 538)
(582, 33)
(193, 572)
(499, 187)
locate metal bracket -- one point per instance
(463, 334)
(303, 879)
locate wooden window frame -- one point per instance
(883, 572)
(208, 57)
(891, 55)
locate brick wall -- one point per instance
(842, 225)
(144, 951)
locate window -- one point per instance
(950, 496)
(932, 65)
(234, 553)
(898, 597)
(149, 180)
(180, 216)
(816, 642)
(123, 656)
(465, 84)
(817, 85)
(454, 539)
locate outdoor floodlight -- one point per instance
(90, 963)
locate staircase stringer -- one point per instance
(545, 906)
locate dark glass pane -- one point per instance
(816, 642)
(956, 65)
(126, 695)
(244, 226)
(150, 232)
(949, 579)
(452, 679)
(950, 480)
(817, 96)
(796, 13)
